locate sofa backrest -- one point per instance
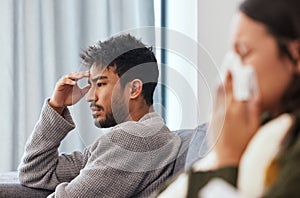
(193, 147)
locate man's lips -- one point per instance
(96, 110)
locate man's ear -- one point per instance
(295, 52)
(136, 88)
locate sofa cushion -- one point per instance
(11, 187)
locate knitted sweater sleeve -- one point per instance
(118, 164)
(41, 165)
(114, 170)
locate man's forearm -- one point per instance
(41, 158)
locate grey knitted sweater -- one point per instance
(132, 160)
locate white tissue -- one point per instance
(244, 77)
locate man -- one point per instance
(134, 158)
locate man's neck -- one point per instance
(140, 112)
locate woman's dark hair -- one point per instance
(130, 58)
(282, 19)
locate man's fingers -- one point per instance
(71, 79)
(78, 75)
(85, 89)
(67, 81)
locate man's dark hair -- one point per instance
(130, 58)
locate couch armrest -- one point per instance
(11, 187)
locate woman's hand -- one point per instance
(237, 123)
(67, 92)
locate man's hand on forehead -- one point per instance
(78, 75)
(67, 92)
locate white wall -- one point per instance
(214, 21)
(181, 65)
(198, 38)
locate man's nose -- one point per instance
(91, 95)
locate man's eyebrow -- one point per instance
(95, 79)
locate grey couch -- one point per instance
(193, 147)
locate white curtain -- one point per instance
(40, 41)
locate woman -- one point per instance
(266, 37)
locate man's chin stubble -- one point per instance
(108, 122)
